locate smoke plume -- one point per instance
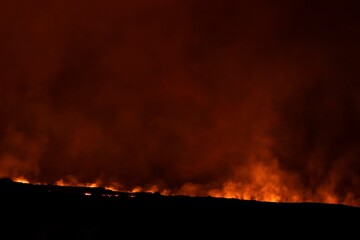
(248, 99)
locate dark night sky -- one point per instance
(242, 97)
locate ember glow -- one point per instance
(254, 100)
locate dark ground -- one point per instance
(53, 212)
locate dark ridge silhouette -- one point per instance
(31, 211)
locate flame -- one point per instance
(72, 181)
(266, 185)
(114, 186)
(21, 180)
(155, 109)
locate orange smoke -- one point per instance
(267, 185)
(250, 100)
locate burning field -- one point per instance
(43, 211)
(255, 100)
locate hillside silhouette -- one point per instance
(31, 211)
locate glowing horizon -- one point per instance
(251, 100)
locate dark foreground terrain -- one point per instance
(53, 212)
